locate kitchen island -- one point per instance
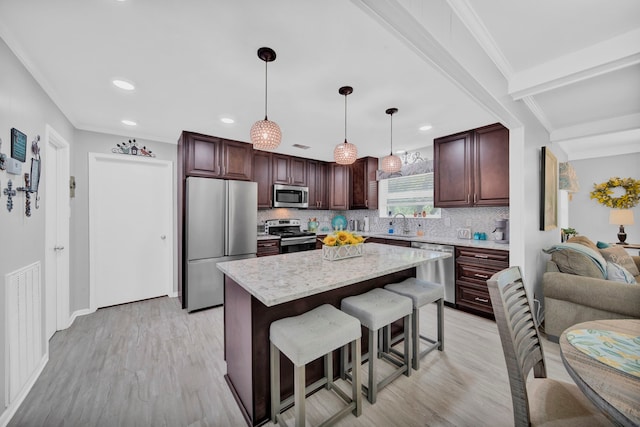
(259, 291)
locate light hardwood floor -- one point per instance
(151, 363)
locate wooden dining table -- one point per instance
(614, 392)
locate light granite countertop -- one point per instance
(471, 243)
(282, 278)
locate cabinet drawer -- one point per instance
(268, 247)
(474, 298)
(497, 256)
(474, 273)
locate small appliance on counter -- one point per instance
(501, 232)
(292, 238)
(464, 233)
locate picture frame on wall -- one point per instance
(548, 190)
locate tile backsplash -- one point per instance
(477, 219)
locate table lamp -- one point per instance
(621, 217)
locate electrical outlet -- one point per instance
(447, 222)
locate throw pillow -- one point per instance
(618, 273)
(573, 262)
(602, 245)
(618, 255)
(583, 241)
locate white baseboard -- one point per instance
(8, 414)
(77, 313)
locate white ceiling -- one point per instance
(575, 64)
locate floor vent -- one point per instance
(23, 305)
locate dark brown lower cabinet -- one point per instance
(473, 267)
(268, 247)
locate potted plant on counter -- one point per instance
(341, 245)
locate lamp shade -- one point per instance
(265, 135)
(621, 217)
(345, 153)
(391, 164)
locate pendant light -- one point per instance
(391, 163)
(345, 153)
(265, 134)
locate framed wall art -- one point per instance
(548, 191)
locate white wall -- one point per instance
(586, 215)
(25, 106)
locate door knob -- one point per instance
(163, 237)
(58, 248)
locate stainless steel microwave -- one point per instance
(290, 196)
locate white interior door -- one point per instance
(55, 165)
(130, 228)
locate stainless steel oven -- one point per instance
(292, 238)
(290, 196)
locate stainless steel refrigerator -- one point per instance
(221, 218)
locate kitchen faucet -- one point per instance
(405, 228)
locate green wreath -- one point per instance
(603, 192)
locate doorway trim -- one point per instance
(58, 146)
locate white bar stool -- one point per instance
(421, 293)
(377, 310)
(305, 338)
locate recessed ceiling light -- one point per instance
(129, 122)
(425, 127)
(227, 120)
(400, 151)
(123, 84)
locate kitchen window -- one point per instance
(409, 195)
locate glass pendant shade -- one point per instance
(345, 153)
(265, 135)
(391, 163)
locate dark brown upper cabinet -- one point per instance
(262, 176)
(338, 186)
(209, 156)
(364, 186)
(317, 179)
(471, 168)
(288, 170)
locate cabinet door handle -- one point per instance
(481, 256)
(482, 276)
(481, 299)
(475, 198)
(467, 198)
(366, 203)
(264, 245)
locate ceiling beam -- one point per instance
(395, 17)
(601, 58)
(596, 128)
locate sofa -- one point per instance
(578, 286)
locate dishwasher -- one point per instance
(441, 271)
